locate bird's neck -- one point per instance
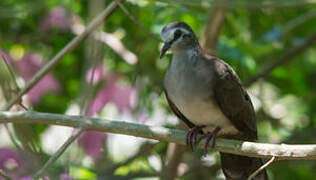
(187, 55)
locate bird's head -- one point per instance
(176, 36)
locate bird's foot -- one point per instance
(210, 137)
(191, 136)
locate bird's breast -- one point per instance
(190, 88)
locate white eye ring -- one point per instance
(169, 35)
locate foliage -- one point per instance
(105, 82)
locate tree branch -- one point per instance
(239, 4)
(298, 21)
(285, 59)
(60, 151)
(251, 149)
(66, 50)
(174, 158)
(140, 26)
(213, 28)
(261, 168)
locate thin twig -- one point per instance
(238, 4)
(11, 72)
(85, 102)
(243, 148)
(4, 175)
(140, 26)
(16, 88)
(261, 168)
(174, 158)
(59, 152)
(285, 59)
(66, 50)
(23, 106)
(94, 51)
(298, 21)
(213, 28)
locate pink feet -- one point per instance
(191, 137)
(211, 137)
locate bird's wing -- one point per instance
(177, 112)
(235, 103)
(233, 100)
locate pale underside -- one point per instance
(187, 83)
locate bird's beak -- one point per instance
(165, 48)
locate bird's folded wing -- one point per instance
(233, 100)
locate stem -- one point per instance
(251, 149)
(58, 153)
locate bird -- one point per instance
(209, 97)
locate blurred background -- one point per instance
(116, 74)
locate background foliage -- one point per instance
(118, 75)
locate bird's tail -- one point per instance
(237, 167)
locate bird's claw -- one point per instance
(192, 139)
(210, 137)
(191, 136)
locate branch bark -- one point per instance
(251, 149)
(174, 158)
(212, 30)
(60, 151)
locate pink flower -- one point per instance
(30, 178)
(26, 178)
(123, 96)
(11, 163)
(92, 143)
(98, 74)
(27, 67)
(57, 17)
(64, 176)
(5, 56)
(9, 159)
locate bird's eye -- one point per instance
(186, 36)
(177, 34)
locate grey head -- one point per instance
(176, 36)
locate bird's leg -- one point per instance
(211, 136)
(191, 135)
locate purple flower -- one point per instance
(27, 67)
(5, 56)
(92, 143)
(98, 74)
(9, 159)
(64, 176)
(57, 17)
(26, 178)
(123, 96)
(30, 178)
